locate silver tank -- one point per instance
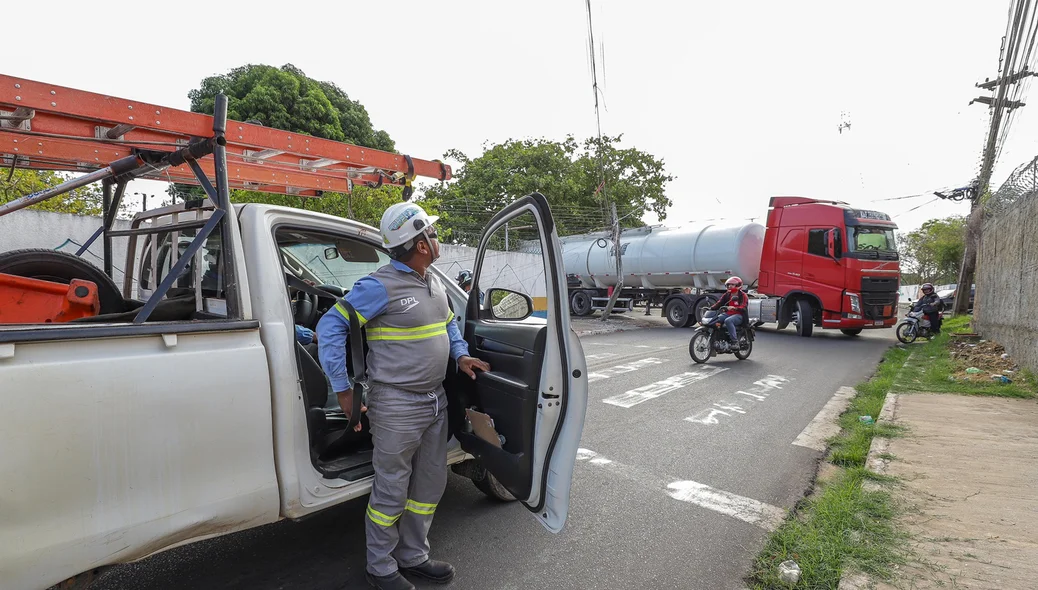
(699, 255)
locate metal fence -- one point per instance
(1021, 184)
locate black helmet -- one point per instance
(464, 278)
(927, 288)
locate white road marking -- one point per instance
(826, 424)
(624, 368)
(745, 509)
(639, 395)
(600, 343)
(600, 356)
(763, 388)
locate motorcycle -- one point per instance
(712, 336)
(915, 325)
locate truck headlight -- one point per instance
(855, 302)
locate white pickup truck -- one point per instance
(187, 409)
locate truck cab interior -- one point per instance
(319, 270)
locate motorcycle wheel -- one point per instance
(699, 347)
(906, 333)
(744, 354)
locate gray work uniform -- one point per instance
(410, 333)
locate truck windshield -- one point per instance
(865, 238)
(332, 262)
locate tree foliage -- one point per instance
(565, 172)
(285, 98)
(933, 253)
(85, 200)
(364, 204)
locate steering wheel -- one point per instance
(305, 306)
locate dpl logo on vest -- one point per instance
(408, 303)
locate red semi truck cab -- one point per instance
(830, 260)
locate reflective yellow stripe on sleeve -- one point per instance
(382, 519)
(450, 316)
(420, 507)
(339, 308)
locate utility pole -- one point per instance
(619, 267)
(997, 105)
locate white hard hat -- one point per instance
(403, 222)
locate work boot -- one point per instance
(393, 581)
(439, 572)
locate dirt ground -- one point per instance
(985, 355)
(967, 470)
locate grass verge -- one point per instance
(843, 525)
(932, 366)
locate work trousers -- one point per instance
(409, 431)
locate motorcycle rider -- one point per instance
(734, 303)
(931, 305)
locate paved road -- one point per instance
(684, 469)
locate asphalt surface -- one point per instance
(658, 501)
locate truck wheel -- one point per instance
(62, 267)
(493, 488)
(580, 303)
(852, 332)
(702, 304)
(677, 313)
(804, 318)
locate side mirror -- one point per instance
(331, 253)
(509, 305)
(831, 244)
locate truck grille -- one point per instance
(878, 297)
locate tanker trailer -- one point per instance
(659, 264)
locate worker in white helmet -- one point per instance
(411, 332)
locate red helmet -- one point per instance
(733, 283)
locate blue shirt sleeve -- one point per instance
(304, 335)
(369, 298)
(459, 347)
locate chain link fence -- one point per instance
(1021, 184)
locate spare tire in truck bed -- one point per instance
(62, 267)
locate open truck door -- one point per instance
(526, 414)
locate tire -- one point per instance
(699, 347)
(62, 267)
(580, 303)
(677, 313)
(702, 305)
(744, 354)
(852, 332)
(805, 327)
(493, 488)
(905, 333)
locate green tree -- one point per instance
(285, 98)
(565, 172)
(933, 253)
(364, 204)
(85, 200)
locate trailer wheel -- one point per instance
(677, 313)
(580, 303)
(62, 267)
(702, 304)
(804, 318)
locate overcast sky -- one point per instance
(742, 100)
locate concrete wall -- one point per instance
(1007, 281)
(61, 231)
(517, 271)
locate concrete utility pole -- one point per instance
(998, 105)
(619, 267)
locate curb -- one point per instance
(853, 580)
